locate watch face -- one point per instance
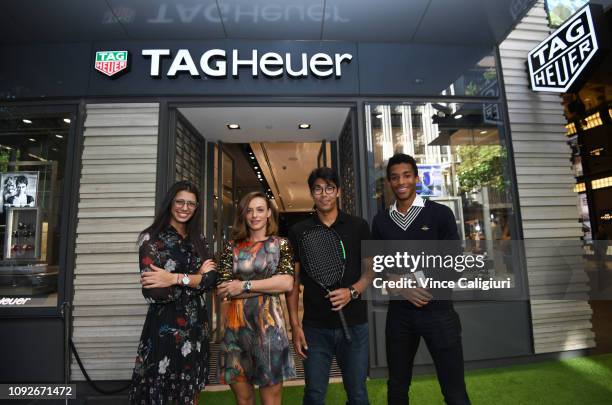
(185, 279)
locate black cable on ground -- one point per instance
(89, 380)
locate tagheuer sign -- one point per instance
(556, 63)
(218, 63)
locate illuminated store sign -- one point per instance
(216, 63)
(556, 63)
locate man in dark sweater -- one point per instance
(419, 313)
(319, 336)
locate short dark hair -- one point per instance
(21, 180)
(400, 158)
(325, 173)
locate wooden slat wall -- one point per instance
(116, 202)
(548, 203)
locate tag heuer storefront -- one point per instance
(104, 105)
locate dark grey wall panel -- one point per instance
(67, 70)
(32, 350)
(409, 69)
(43, 71)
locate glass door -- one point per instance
(221, 194)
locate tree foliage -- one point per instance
(480, 166)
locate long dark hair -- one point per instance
(193, 226)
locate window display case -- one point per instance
(33, 157)
(22, 236)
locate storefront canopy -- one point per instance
(460, 22)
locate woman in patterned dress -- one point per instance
(255, 267)
(176, 269)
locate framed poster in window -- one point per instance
(19, 189)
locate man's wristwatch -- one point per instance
(354, 293)
(246, 286)
(185, 280)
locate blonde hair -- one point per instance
(240, 231)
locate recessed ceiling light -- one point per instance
(59, 136)
(32, 139)
(304, 126)
(252, 157)
(483, 132)
(379, 116)
(26, 121)
(458, 116)
(233, 126)
(256, 167)
(260, 179)
(67, 120)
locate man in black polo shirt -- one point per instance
(419, 314)
(319, 336)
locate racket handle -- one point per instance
(345, 329)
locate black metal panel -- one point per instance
(32, 350)
(346, 148)
(188, 155)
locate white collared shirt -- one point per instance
(405, 220)
(418, 202)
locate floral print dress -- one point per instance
(173, 353)
(255, 346)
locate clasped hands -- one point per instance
(160, 278)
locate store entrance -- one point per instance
(231, 151)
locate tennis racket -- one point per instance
(324, 258)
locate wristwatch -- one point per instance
(246, 286)
(185, 280)
(354, 293)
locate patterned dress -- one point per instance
(173, 353)
(255, 346)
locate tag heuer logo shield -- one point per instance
(111, 62)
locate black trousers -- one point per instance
(441, 330)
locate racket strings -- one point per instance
(323, 254)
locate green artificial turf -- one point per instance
(584, 381)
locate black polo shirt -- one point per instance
(317, 309)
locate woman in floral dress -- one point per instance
(176, 269)
(255, 267)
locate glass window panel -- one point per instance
(32, 163)
(462, 160)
